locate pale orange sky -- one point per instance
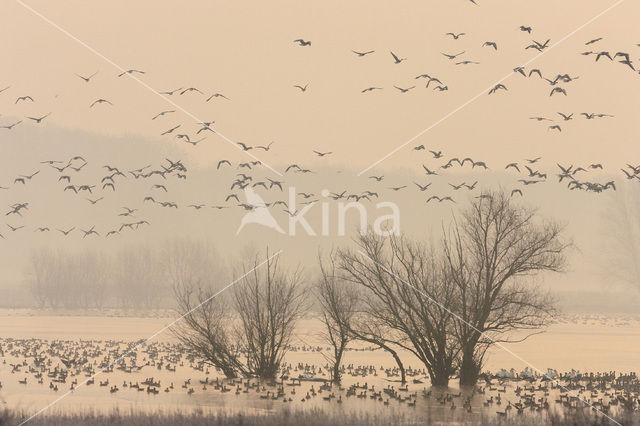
(245, 50)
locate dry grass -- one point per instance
(314, 417)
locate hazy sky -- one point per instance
(245, 51)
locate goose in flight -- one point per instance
(377, 178)
(595, 40)
(191, 89)
(440, 199)
(86, 79)
(436, 154)
(513, 165)
(38, 120)
(361, 54)
(452, 57)
(467, 63)
(322, 154)
(302, 89)
(441, 88)
(66, 232)
(217, 95)
(397, 60)
(422, 187)
(2, 90)
(429, 172)
(398, 188)
(130, 72)
(266, 148)
(14, 228)
(558, 90)
(525, 29)
(23, 98)
(100, 101)
(370, 89)
(535, 71)
(497, 87)
(302, 42)
(566, 117)
(89, 232)
(555, 127)
(419, 148)
(170, 130)
(160, 114)
(455, 36)
(221, 162)
(539, 119)
(42, 229)
(404, 90)
(11, 126)
(244, 146)
(516, 191)
(171, 92)
(93, 202)
(490, 44)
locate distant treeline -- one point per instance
(135, 277)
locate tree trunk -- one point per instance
(403, 373)
(337, 376)
(469, 369)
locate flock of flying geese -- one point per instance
(69, 172)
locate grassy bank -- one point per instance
(299, 417)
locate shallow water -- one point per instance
(594, 343)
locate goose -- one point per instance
(217, 95)
(265, 148)
(302, 88)
(490, 44)
(11, 126)
(514, 165)
(171, 92)
(322, 154)
(302, 42)
(23, 98)
(371, 89)
(39, 119)
(162, 113)
(397, 60)
(65, 233)
(86, 79)
(452, 57)
(130, 72)
(498, 87)
(404, 90)
(100, 101)
(455, 36)
(361, 54)
(170, 130)
(566, 117)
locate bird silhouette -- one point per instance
(361, 54)
(397, 60)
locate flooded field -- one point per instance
(160, 377)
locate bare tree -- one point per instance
(338, 301)
(269, 303)
(247, 331)
(491, 254)
(401, 279)
(206, 328)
